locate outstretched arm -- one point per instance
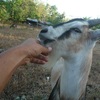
(29, 51)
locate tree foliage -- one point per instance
(4, 15)
(19, 10)
(53, 16)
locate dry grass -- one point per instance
(29, 82)
(10, 36)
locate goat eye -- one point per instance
(76, 30)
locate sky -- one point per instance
(77, 8)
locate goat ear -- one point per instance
(95, 34)
(55, 94)
(93, 22)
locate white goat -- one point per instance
(71, 58)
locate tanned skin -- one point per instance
(28, 51)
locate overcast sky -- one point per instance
(77, 8)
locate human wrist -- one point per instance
(20, 50)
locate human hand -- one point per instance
(35, 52)
(29, 51)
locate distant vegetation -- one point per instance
(19, 10)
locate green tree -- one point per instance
(40, 11)
(32, 13)
(19, 10)
(53, 16)
(4, 15)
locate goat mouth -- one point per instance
(48, 41)
(45, 41)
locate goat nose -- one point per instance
(42, 37)
(44, 30)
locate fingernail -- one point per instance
(50, 49)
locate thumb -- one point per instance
(46, 51)
(50, 49)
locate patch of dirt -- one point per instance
(31, 82)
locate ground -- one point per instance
(30, 82)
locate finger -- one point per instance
(46, 51)
(25, 61)
(38, 41)
(37, 61)
(42, 57)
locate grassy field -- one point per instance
(30, 82)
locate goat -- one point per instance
(71, 57)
